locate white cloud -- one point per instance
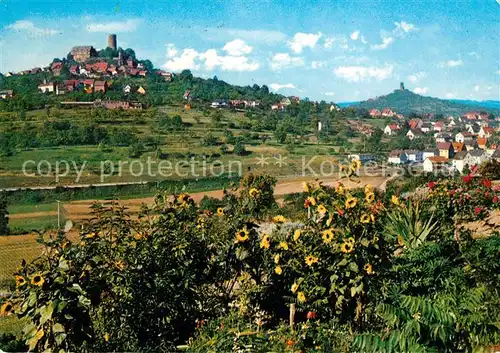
(329, 94)
(404, 27)
(355, 35)
(303, 40)
(29, 28)
(171, 50)
(450, 95)
(362, 73)
(476, 88)
(385, 43)
(318, 64)
(187, 60)
(421, 90)
(227, 62)
(237, 47)
(451, 63)
(416, 77)
(114, 27)
(474, 54)
(284, 60)
(277, 86)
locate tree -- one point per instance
(186, 75)
(239, 148)
(280, 135)
(4, 215)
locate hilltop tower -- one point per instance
(112, 41)
(402, 86)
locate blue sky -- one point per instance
(326, 50)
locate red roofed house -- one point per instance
(388, 112)
(415, 124)
(100, 86)
(70, 85)
(486, 131)
(432, 164)
(391, 129)
(458, 147)
(56, 68)
(481, 142)
(445, 149)
(375, 112)
(74, 70)
(438, 126)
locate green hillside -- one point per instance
(406, 102)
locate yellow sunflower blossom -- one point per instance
(311, 200)
(351, 202)
(106, 337)
(322, 209)
(265, 242)
(369, 197)
(301, 297)
(183, 198)
(6, 309)
(20, 281)
(138, 236)
(241, 236)
(283, 245)
(305, 186)
(339, 188)
(120, 265)
(372, 217)
(395, 200)
(347, 247)
(277, 258)
(279, 219)
(294, 288)
(401, 240)
(369, 269)
(296, 235)
(327, 235)
(355, 164)
(310, 260)
(220, 211)
(278, 270)
(37, 280)
(253, 192)
(365, 218)
(368, 188)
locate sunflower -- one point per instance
(220, 211)
(183, 197)
(322, 209)
(372, 217)
(339, 188)
(311, 201)
(294, 288)
(91, 235)
(253, 192)
(37, 280)
(355, 164)
(265, 242)
(395, 200)
(347, 247)
(120, 265)
(138, 236)
(350, 240)
(310, 260)
(301, 297)
(283, 245)
(6, 309)
(20, 281)
(369, 197)
(278, 270)
(369, 269)
(401, 240)
(296, 235)
(351, 202)
(368, 188)
(306, 187)
(365, 218)
(277, 258)
(241, 236)
(279, 219)
(106, 337)
(327, 236)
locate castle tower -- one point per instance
(402, 86)
(112, 41)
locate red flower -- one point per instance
(431, 184)
(487, 183)
(467, 178)
(306, 203)
(311, 315)
(478, 210)
(495, 199)
(341, 212)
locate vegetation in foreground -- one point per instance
(363, 274)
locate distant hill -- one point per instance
(486, 104)
(406, 102)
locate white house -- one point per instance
(391, 129)
(413, 134)
(397, 157)
(46, 87)
(434, 164)
(486, 131)
(430, 152)
(463, 137)
(479, 156)
(127, 89)
(462, 160)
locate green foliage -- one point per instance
(239, 148)
(4, 215)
